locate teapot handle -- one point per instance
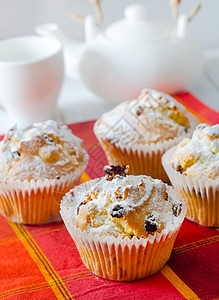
(182, 26)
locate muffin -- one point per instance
(193, 168)
(139, 132)
(39, 164)
(124, 227)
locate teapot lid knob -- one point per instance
(135, 12)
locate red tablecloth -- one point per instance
(41, 262)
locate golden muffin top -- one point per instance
(38, 151)
(199, 156)
(120, 205)
(153, 117)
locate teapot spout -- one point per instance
(72, 49)
(54, 31)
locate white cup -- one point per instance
(31, 76)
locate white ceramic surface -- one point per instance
(131, 54)
(31, 76)
(78, 104)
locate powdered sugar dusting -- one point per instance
(38, 150)
(157, 98)
(152, 117)
(200, 154)
(108, 200)
(22, 132)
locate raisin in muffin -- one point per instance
(120, 223)
(39, 163)
(193, 168)
(139, 132)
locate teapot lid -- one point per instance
(135, 27)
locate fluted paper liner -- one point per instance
(143, 159)
(37, 202)
(114, 258)
(201, 194)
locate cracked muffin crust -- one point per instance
(153, 117)
(138, 132)
(193, 169)
(41, 150)
(39, 164)
(126, 206)
(199, 156)
(124, 226)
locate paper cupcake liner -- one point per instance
(37, 202)
(119, 259)
(143, 159)
(201, 194)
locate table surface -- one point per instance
(77, 104)
(42, 262)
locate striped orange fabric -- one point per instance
(42, 262)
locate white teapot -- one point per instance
(131, 54)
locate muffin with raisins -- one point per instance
(123, 226)
(140, 131)
(193, 168)
(39, 164)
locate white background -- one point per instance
(76, 103)
(19, 17)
